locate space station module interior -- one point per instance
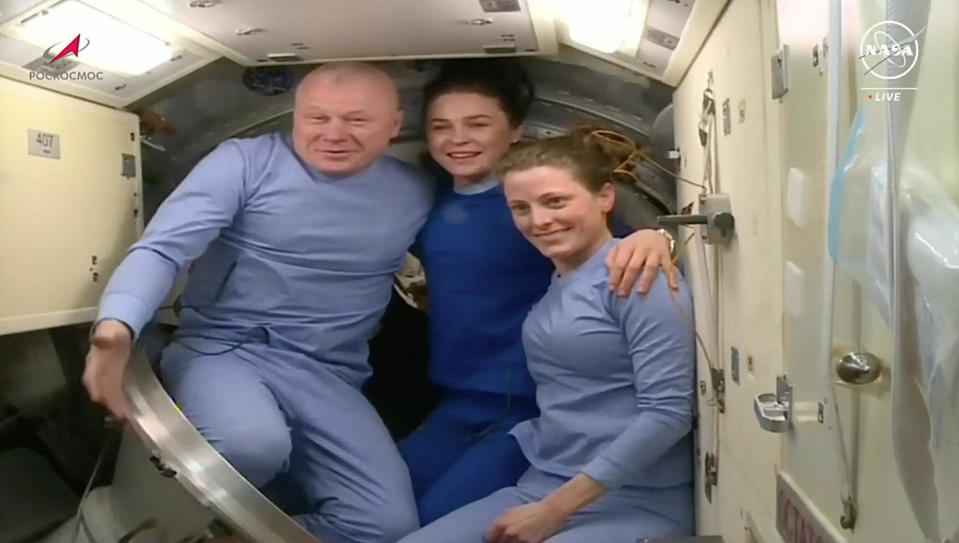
(802, 154)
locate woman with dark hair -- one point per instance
(611, 450)
(483, 277)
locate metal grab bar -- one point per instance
(179, 451)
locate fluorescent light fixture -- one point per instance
(113, 45)
(598, 24)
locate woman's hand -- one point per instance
(531, 523)
(643, 251)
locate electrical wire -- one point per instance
(86, 490)
(647, 158)
(708, 154)
(708, 118)
(183, 344)
(636, 153)
(691, 324)
(658, 198)
(683, 247)
(229, 349)
(628, 165)
(707, 131)
(689, 320)
(711, 169)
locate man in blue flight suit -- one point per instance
(292, 241)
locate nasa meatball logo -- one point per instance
(889, 50)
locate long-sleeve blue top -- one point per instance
(281, 254)
(614, 381)
(483, 278)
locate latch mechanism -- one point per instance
(774, 411)
(710, 474)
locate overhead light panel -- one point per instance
(598, 24)
(108, 43)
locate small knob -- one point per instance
(859, 368)
(724, 221)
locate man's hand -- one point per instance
(531, 523)
(107, 360)
(643, 251)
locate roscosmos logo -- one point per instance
(74, 48)
(60, 67)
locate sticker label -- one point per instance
(43, 144)
(499, 6)
(795, 520)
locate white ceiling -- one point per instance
(259, 32)
(666, 37)
(19, 57)
(671, 34)
(250, 31)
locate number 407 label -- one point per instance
(43, 144)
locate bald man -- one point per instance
(292, 242)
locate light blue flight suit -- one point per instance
(291, 272)
(614, 385)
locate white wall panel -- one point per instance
(65, 222)
(750, 278)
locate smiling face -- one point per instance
(467, 133)
(344, 119)
(558, 214)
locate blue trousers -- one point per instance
(270, 412)
(622, 516)
(463, 451)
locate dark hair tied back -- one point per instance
(502, 79)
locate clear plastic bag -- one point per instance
(859, 237)
(860, 225)
(932, 255)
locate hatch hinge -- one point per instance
(718, 381)
(710, 474)
(780, 73)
